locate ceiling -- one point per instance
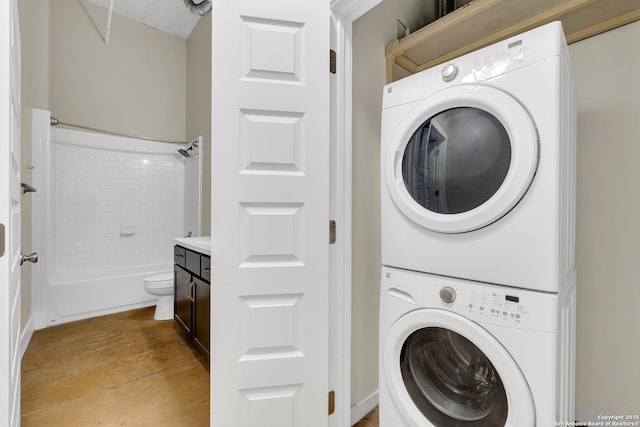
(169, 16)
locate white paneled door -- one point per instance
(270, 213)
(9, 214)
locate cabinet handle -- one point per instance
(179, 256)
(192, 296)
(188, 288)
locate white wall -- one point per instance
(608, 207)
(199, 105)
(371, 33)
(136, 84)
(34, 34)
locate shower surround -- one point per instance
(104, 216)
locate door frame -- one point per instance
(343, 14)
(10, 270)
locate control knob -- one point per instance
(449, 72)
(448, 294)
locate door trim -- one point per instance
(343, 14)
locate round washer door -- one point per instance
(462, 158)
(446, 370)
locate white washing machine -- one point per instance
(456, 353)
(478, 165)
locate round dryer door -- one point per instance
(450, 372)
(462, 159)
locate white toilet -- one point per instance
(161, 285)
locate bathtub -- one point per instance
(105, 214)
(72, 297)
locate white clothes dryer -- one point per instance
(456, 353)
(478, 165)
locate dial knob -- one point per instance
(449, 72)
(448, 294)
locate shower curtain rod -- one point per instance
(56, 122)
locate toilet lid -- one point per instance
(160, 277)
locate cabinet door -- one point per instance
(201, 316)
(182, 304)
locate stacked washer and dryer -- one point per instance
(477, 309)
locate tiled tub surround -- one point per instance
(113, 209)
(104, 217)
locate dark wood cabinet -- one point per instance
(193, 296)
(201, 309)
(182, 304)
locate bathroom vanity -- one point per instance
(192, 275)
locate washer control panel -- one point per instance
(477, 301)
(482, 302)
(499, 305)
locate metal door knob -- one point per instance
(32, 257)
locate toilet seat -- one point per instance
(160, 280)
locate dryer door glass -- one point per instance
(451, 381)
(456, 160)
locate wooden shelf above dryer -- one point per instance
(483, 22)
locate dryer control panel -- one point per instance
(491, 61)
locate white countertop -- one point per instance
(199, 244)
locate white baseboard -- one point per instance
(25, 337)
(39, 320)
(584, 413)
(362, 408)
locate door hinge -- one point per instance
(332, 402)
(1, 240)
(332, 61)
(332, 232)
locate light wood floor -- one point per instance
(370, 420)
(124, 369)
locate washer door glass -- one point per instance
(451, 381)
(456, 160)
(461, 159)
(444, 370)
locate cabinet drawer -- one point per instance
(193, 262)
(205, 267)
(179, 256)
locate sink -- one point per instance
(201, 244)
